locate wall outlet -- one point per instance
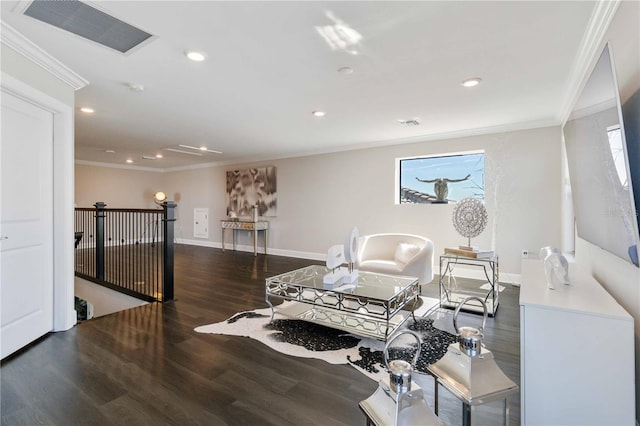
(525, 253)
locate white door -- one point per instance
(26, 224)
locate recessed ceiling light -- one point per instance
(129, 160)
(319, 113)
(87, 110)
(471, 82)
(195, 56)
(345, 70)
(158, 155)
(109, 151)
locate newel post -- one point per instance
(100, 215)
(168, 249)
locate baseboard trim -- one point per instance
(249, 249)
(201, 243)
(505, 278)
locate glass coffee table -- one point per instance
(375, 305)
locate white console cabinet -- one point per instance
(576, 352)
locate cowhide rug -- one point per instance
(307, 340)
(303, 339)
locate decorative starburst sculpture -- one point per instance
(469, 218)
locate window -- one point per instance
(441, 179)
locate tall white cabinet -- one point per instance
(577, 354)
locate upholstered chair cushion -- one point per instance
(397, 254)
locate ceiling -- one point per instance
(268, 68)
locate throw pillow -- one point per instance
(405, 252)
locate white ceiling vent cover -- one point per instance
(88, 22)
(410, 123)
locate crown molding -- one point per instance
(458, 134)
(153, 169)
(28, 49)
(592, 41)
(118, 166)
(198, 166)
(505, 128)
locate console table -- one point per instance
(246, 225)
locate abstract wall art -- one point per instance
(249, 187)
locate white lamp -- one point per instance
(159, 198)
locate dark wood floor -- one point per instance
(147, 366)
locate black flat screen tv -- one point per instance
(598, 142)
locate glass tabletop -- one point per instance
(368, 284)
(460, 258)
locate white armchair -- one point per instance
(397, 254)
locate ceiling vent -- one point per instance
(88, 22)
(410, 123)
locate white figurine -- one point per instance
(351, 254)
(335, 256)
(335, 259)
(556, 267)
(339, 255)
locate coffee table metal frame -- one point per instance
(372, 306)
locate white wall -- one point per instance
(618, 277)
(199, 188)
(321, 197)
(117, 187)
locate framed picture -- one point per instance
(249, 187)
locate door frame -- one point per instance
(64, 314)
